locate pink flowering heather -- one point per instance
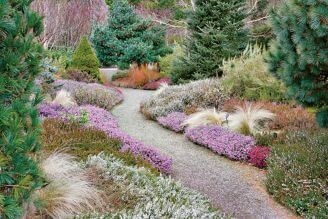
(154, 85)
(104, 121)
(173, 121)
(222, 141)
(258, 156)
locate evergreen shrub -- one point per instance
(85, 60)
(20, 57)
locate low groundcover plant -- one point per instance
(91, 93)
(258, 156)
(200, 94)
(222, 141)
(158, 196)
(173, 121)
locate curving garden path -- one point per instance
(234, 187)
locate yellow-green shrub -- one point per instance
(247, 77)
(166, 62)
(85, 59)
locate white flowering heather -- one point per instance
(161, 88)
(201, 94)
(158, 196)
(92, 93)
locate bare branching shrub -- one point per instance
(65, 22)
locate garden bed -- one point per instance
(103, 120)
(291, 142)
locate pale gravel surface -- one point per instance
(108, 72)
(234, 187)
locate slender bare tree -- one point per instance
(65, 21)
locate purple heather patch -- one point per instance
(173, 121)
(104, 121)
(222, 141)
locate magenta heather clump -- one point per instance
(258, 156)
(222, 141)
(173, 121)
(104, 121)
(154, 85)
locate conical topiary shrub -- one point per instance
(85, 59)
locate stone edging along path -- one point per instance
(234, 187)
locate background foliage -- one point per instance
(217, 31)
(127, 38)
(247, 77)
(299, 56)
(66, 21)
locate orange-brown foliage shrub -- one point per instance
(137, 77)
(287, 116)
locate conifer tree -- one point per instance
(127, 38)
(85, 60)
(217, 31)
(20, 57)
(299, 56)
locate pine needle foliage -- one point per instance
(20, 57)
(85, 59)
(299, 55)
(217, 32)
(128, 38)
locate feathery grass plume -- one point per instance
(205, 117)
(249, 119)
(161, 88)
(64, 98)
(68, 192)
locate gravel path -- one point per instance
(108, 72)
(234, 187)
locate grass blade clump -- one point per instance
(249, 119)
(205, 117)
(68, 192)
(64, 98)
